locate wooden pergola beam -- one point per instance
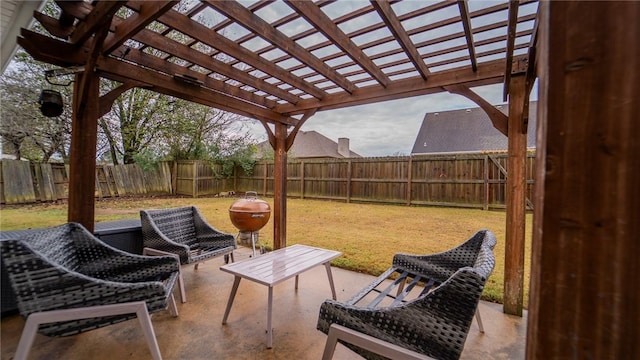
(212, 38)
(255, 23)
(511, 38)
(499, 120)
(98, 18)
(49, 50)
(162, 66)
(383, 7)
(182, 51)
(312, 13)
(468, 33)
(147, 13)
(118, 70)
(487, 73)
(157, 64)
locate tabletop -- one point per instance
(282, 264)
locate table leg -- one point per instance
(327, 265)
(232, 296)
(269, 311)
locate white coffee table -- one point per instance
(276, 267)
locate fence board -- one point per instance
(158, 180)
(18, 182)
(46, 182)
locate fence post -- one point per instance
(235, 178)
(174, 178)
(301, 179)
(265, 172)
(349, 165)
(485, 205)
(195, 179)
(409, 179)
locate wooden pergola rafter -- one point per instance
(282, 62)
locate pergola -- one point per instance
(281, 62)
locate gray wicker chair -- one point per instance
(424, 309)
(67, 281)
(184, 231)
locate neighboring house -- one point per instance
(313, 145)
(466, 130)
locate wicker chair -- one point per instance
(424, 310)
(184, 232)
(67, 281)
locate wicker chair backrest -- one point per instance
(441, 266)
(59, 245)
(177, 224)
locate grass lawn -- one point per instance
(367, 235)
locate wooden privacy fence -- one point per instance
(461, 180)
(199, 178)
(23, 182)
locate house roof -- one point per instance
(312, 144)
(466, 130)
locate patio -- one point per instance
(197, 333)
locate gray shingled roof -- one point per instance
(311, 144)
(466, 130)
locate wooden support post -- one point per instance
(82, 160)
(585, 250)
(281, 141)
(515, 197)
(280, 187)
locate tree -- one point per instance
(133, 123)
(25, 131)
(197, 132)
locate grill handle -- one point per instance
(251, 194)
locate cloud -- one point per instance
(387, 128)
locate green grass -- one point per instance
(367, 235)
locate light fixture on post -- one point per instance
(51, 104)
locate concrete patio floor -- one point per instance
(198, 333)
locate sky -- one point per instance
(388, 128)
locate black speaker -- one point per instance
(50, 103)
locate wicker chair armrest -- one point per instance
(155, 239)
(203, 228)
(131, 268)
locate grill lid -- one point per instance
(249, 213)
